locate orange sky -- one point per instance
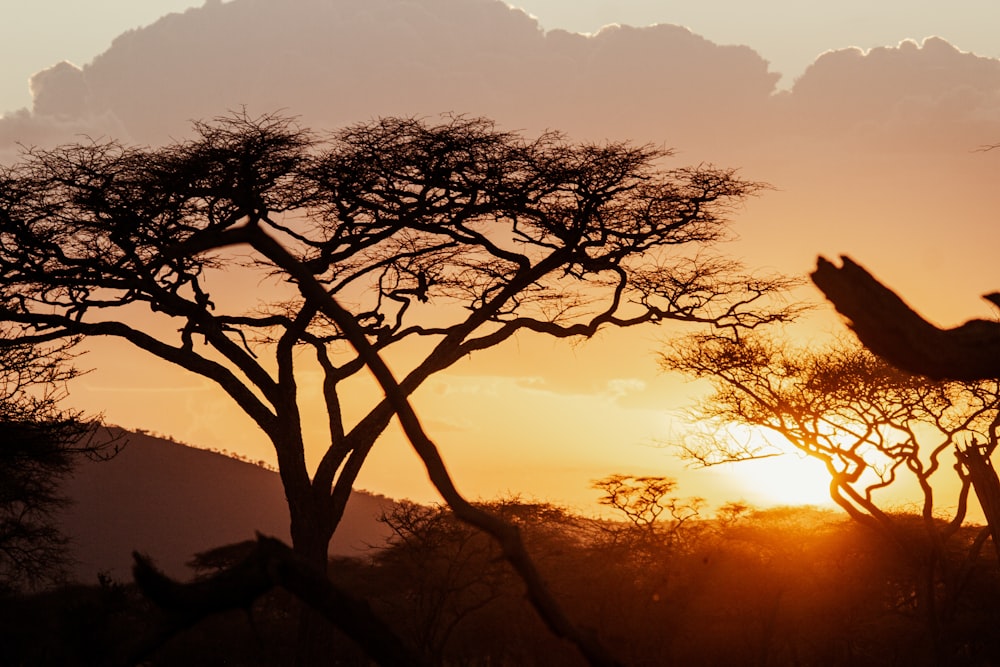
(871, 154)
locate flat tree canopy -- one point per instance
(455, 234)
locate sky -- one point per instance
(865, 120)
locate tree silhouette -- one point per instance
(455, 235)
(445, 576)
(39, 443)
(891, 329)
(872, 426)
(447, 570)
(644, 499)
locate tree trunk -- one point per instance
(315, 642)
(314, 645)
(987, 486)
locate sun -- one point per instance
(789, 479)
(782, 476)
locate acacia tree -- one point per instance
(646, 502)
(457, 234)
(656, 521)
(440, 573)
(39, 443)
(891, 329)
(641, 553)
(446, 572)
(872, 426)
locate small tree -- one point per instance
(640, 554)
(446, 571)
(458, 235)
(440, 573)
(891, 329)
(39, 443)
(870, 424)
(647, 504)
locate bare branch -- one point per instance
(893, 330)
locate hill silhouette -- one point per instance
(171, 501)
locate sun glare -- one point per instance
(774, 479)
(782, 480)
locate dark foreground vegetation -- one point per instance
(786, 586)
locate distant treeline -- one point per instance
(785, 586)
(260, 463)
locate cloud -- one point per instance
(23, 129)
(338, 63)
(335, 63)
(60, 91)
(61, 113)
(625, 386)
(330, 62)
(583, 384)
(907, 90)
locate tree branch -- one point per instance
(894, 331)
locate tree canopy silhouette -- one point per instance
(873, 426)
(869, 423)
(455, 234)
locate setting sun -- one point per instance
(788, 479)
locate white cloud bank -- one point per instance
(335, 63)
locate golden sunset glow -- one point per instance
(868, 139)
(499, 332)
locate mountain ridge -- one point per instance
(170, 501)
